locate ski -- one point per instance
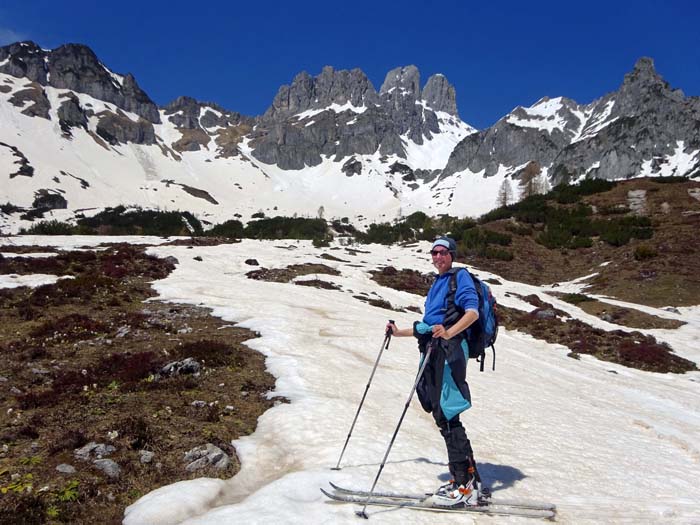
(428, 505)
(525, 504)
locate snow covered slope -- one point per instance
(607, 444)
(76, 137)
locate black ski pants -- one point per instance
(459, 450)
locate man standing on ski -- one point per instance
(442, 389)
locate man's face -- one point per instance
(442, 260)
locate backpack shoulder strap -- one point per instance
(452, 290)
(452, 286)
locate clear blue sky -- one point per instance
(498, 55)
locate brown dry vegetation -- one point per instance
(555, 326)
(285, 275)
(81, 360)
(629, 317)
(669, 276)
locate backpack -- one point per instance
(482, 333)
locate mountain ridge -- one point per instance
(327, 140)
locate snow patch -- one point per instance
(333, 107)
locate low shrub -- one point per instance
(576, 298)
(286, 228)
(211, 353)
(518, 229)
(9, 208)
(52, 227)
(72, 327)
(119, 221)
(491, 252)
(127, 367)
(644, 252)
(138, 432)
(232, 229)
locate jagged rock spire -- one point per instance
(440, 95)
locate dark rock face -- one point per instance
(352, 167)
(116, 129)
(24, 59)
(646, 119)
(75, 67)
(330, 87)
(440, 95)
(183, 112)
(39, 106)
(25, 169)
(71, 115)
(195, 120)
(49, 200)
(610, 138)
(339, 114)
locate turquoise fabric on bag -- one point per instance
(452, 402)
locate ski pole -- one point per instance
(384, 346)
(362, 513)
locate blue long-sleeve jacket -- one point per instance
(436, 301)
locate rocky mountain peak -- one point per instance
(181, 103)
(440, 95)
(644, 88)
(329, 87)
(341, 87)
(76, 67)
(24, 59)
(405, 81)
(643, 73)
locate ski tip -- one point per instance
(330, 495)
(361, 514)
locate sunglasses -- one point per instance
(435, 253)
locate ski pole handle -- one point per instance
(388, 333)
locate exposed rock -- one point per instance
(440, 95)
(645, 119)
(338, 113)
(205, 456)
(97, 450)
(75, 67)
(192, 140)
(25, 168)
(71, 115)
(637, 201)
(146, 456)
(185, 366)
(183, 112)
(24, 59)
(116, 129)
(49, 199)
(352, 167)
(39, 106)
(85, 451)
(108, 466)
(544, 313)
(64, 468)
